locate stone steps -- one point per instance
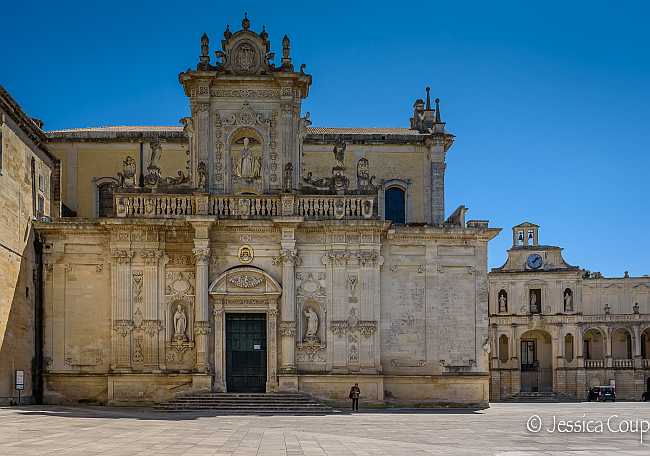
(246, 403)
(540, 397)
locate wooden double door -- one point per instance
(245, 352)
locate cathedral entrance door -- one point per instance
(246, 352)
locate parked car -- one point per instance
(602, 393)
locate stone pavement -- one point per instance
(500, 430)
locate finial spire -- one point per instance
(264, 34)
(437, 100)
(428, 89)
(227, 33)
(286, 53)
(245, 22)
(204, 59)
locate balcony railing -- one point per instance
(622, 363)
(316, 207)
(594, 363)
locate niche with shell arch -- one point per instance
(247, 160)
(315, 306)
(187, 304)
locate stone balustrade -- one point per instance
(594, 364)
(622, 363)
(315, 207)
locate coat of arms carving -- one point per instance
(245, 58)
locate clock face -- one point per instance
(534, 261)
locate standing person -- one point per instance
(355, 392)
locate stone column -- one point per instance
(201, 306)
(219, 346)
(272, 346)
(288, 258)
(151, 323)
(201, 316)
(121, 309)
(636, 343)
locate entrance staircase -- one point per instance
(247, 404)
(540, 397)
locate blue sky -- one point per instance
(549, 100)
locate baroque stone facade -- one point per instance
(335, 239)
(558, 328)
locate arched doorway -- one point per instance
(245, 307)
(536, 361)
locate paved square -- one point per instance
(500, 430)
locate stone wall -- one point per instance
(18, 288)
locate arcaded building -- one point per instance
(557, 328)
(246, 250)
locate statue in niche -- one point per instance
(503, 301)
(312, 324)
(180, 323)
(568, 300)
(248, 166)
(534, 305)
(365, 182)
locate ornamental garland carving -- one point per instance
(122, 256)
(287, 328)
(287, 256)
(245, 281)
(202, 328)
(310, 351)
(123, 327)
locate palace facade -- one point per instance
(246, 250)
(557, 328)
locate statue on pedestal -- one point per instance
(180, 323)
(312, 324)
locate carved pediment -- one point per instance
(245, 281)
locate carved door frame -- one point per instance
(245, 289)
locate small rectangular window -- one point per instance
(41, 182)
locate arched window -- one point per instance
(503, 301)
(395, 205)
(105, 199)
(568, 348)
(503, 348)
